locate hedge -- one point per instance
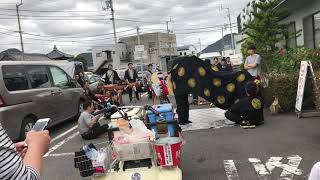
(284, 86)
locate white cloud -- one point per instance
(187, 14)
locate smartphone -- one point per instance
(41, 124)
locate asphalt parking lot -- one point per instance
(285, 147)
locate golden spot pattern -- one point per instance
(241, 78)
(221, 99)
(216, 82)
(231, 87)
(207, 92)
(202, 71)
(215, 68)
(256, 103)
(192, 83)
(181, 71)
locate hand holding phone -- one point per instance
(41, 124)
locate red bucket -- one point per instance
(168, 151)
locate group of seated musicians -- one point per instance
(113, 81)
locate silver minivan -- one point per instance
(35, 90)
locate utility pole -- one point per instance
(109, 4)
(139, 43)
(169, 39)
(138, 34)
(20, 32)
(200, 45)
(230, 23)
(222, 43)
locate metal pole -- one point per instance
(20, 32)
(222, 43)
(232, 40)
(138, 34)
(113, 22)
(169, 39)
(139, 43)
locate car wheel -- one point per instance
(27, 125)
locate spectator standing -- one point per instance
(81, 79)
(223, 64)
(112, 76)
(131, 76)
(24, 160)
(217, 64)
(229, 64)
(148, 77)
(253, 63)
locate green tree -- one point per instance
(79, 58)
(265, 30)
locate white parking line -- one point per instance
(60, 144)
(63, 134)
(61, 155)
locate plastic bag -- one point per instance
(140, 131)
(137, 133)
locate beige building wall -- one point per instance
(156, 45)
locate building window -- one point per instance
(180, 53)
(98, 55)
(152, 44)
(113, 52)
(291, 40)
(185, 53)
(316, 26)
(308, 32)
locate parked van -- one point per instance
(33, 90)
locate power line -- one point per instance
(77, 36)
(69, 36)
(54, 16)
(70, 42)
(57, 40)
(29, 10)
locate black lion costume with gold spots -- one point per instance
(191, 74)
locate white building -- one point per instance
(109, 54)
(210, 55)
(303, 20)
(187, 50)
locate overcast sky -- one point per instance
(77, 25)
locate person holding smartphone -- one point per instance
(89, 127)
(23, 160)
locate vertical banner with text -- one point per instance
(301, 84)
